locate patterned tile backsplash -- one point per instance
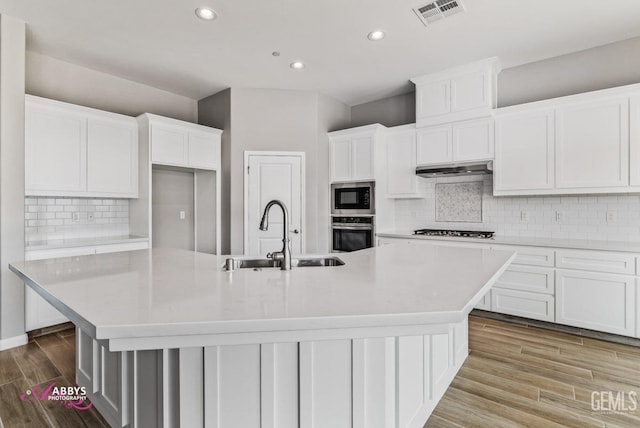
(69, 218)
(459, 202)
(581, 216)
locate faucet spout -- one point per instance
(285, 254)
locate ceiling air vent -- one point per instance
(435, 11)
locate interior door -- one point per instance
(273, 176)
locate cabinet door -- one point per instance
(112, 157)
(592, 145)
(434, 145)
(401, 164)
(168, 145)
(598, 301)
(362, 152)
(634, 149)
(55, 150)
(340, 159)
(524, 152)
(204, 150)
(469, 91)
(432, 99)
(473, 140)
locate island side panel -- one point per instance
(363, 382)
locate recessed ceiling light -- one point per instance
(206, 13)
(297, 65)
(376, 35)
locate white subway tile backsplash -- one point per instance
(68, 218)
(583, 217)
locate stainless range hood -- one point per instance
(455, 170)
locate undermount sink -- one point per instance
(233, 264)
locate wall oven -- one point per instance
(352, 233)
(353, 198)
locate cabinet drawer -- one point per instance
(523, 304)
(530, 256)
(597, 301)
(528, 278)
(596, 261)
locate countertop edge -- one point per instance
(618, 246)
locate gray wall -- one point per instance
(52, 78)
(172, 192)
(392, 111)
(12, 66)
(278, 120)
(215, 111)
(602, 67)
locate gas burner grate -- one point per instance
(455, 233)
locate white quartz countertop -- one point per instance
(163, 292)
(631, 247)
(82, 242)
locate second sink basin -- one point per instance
(233, 264)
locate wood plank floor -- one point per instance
(519, 375)
(45, 359)
(516, 375)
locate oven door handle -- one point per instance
(340, 227)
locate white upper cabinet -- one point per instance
(461, 142)
(402, 181)
(473, 140)
(524, 151)
(78, 151)
(112, 157)
(55, 148)
(580, 144)
(178, 143)
(352, 153)
(592, 144)
(434, 145)
(169, 144)
(460, 93)
(634, 142)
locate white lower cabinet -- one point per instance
(597, 301)
(523, 304)
(590, 289)
(485, 302)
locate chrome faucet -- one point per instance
(285, 254)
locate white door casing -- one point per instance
(268, 176)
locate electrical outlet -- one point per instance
(559, 216)
(75, 217)
(183, 215)
(612, 216)
(90, 217)
(524, 216)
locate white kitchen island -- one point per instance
(168, 338)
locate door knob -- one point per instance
(296, 231)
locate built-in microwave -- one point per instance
(353, 198)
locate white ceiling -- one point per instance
(163, 44)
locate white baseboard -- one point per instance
(13, 342)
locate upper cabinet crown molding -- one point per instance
(459, 93)
(72, 150)
(183, 144)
